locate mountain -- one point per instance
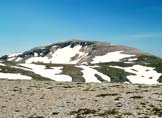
(83, 61)
(71, 52)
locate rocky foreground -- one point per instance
(48, 99)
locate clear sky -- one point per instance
(25, 24)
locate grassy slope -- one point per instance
(116, 75)
(71, 70)
(119, 75)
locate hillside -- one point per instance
(83, 61)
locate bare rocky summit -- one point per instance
(49, 99)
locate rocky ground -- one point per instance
(48, 99)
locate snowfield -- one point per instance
(140, 74)
(64, 55)
(143, 74)
(111, 57)
(52, 73)
(89, 74)
(14, 76)
(61, 56)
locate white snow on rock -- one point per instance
(18, 59)
(143, 74)
(14, 54)
(14, 76)
(61, 56)
(2, 64)
(37, 59)
(111, 57)
(52, 73)
(11, 57)
(64, 55)
(89, 74)
(132, 59)
(35, 54)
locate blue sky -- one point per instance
(25, 24)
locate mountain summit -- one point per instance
(74, 52)
(83, 61)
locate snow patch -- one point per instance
(14, 76)
(143, 74)
(11, 59)
(89, 74)
(64, 55)
(52, 73)
(18, 59)
(61, 56)
(132, 59)
(2, 64)
(35, 54)
(38, 59)
(14, 54)
(111, 57)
